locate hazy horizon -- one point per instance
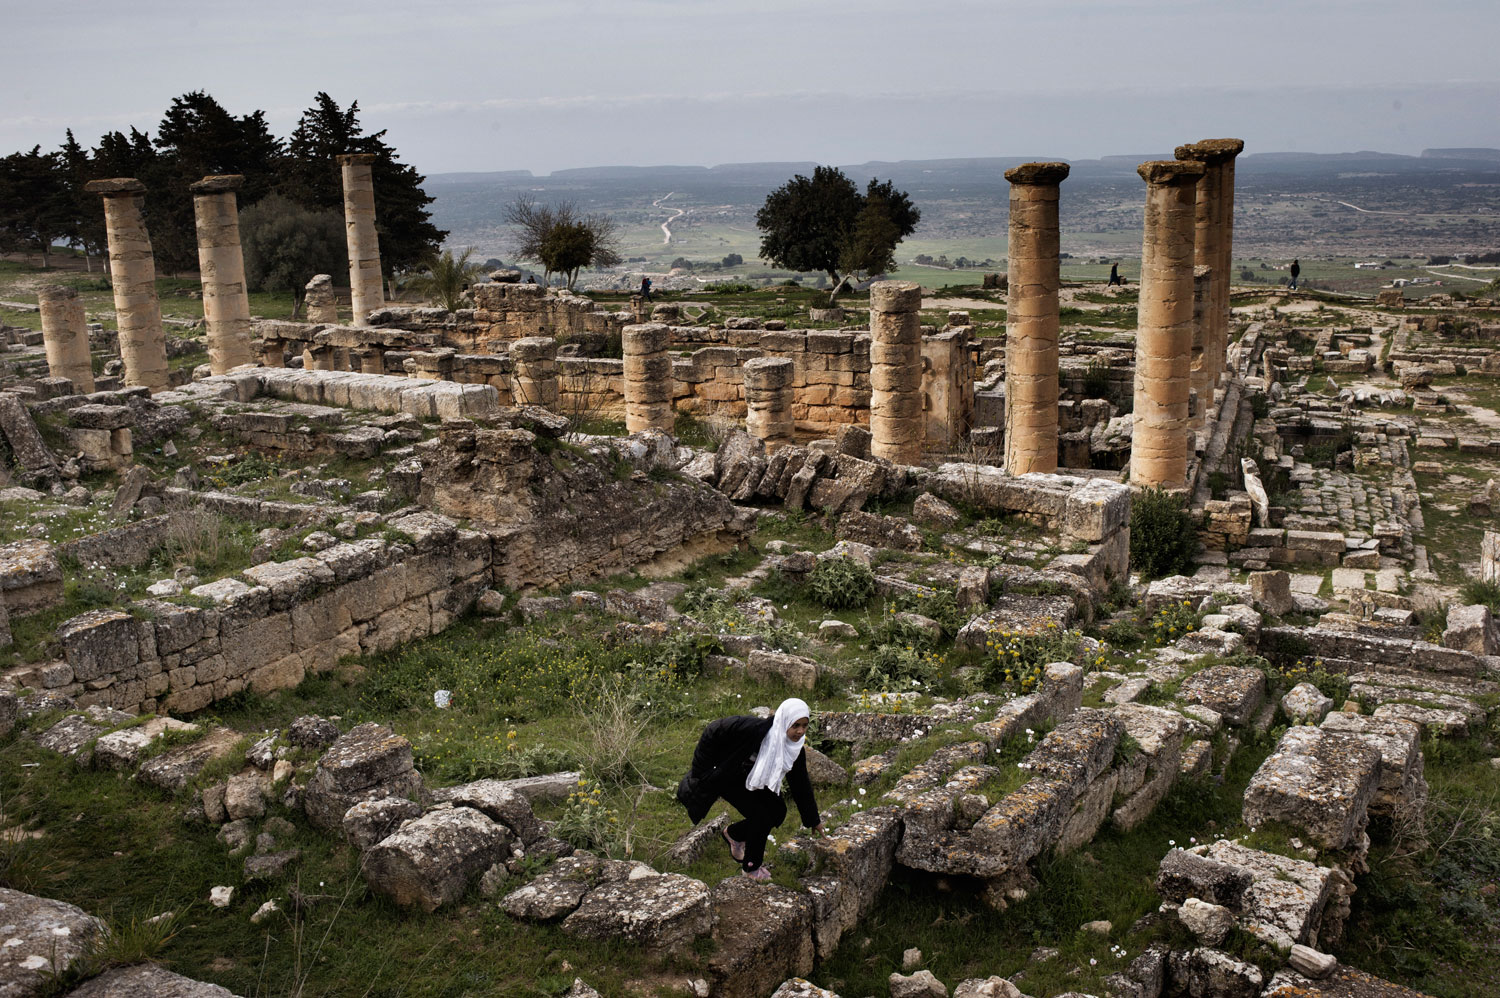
(580, 83)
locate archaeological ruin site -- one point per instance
(362, 654)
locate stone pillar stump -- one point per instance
(768, 400)
(896, 426)
(65, 335)
(322, 302)
(648, 377)
(534, 379)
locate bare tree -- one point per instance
(561, 239)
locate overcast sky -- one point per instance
(551, 84)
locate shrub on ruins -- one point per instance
(1161, 534)
(841, 584)
(285, 245)
(1477, 593)
(1171, 622)
(823, 224)
(1014, 659)
(444, 278)
(561, 237)
(901, 667)
(587, 822)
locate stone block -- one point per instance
(762, 935)
(1233, 692)
(661, 914)
(43, 939)
(429, 861)
(1319, 781)
(100, 643)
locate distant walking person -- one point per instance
(1296, 269)
(646, 288)
(1114, 276)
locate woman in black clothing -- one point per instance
(744, 760)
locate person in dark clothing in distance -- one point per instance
(743, 760)
(1296, 269)
(646, 288)
(1114, 275)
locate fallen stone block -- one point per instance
(762, 935)
(43, 939)
(430, 860)
(1233, 692)
(367, 763)
(1319, 781)
(662, 914)
(147, 979)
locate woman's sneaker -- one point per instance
(759, 874)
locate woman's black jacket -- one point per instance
(723, 757)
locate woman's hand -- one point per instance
(819, 830)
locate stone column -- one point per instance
(1031, 320)
(132, 271)
(221, 267)
(768, 400)
(947, 388)
(1164, 333)
(65, 335)
(322, 303)
(365, 290)
(1214, 244)
(534, 379)
(896, 428)
(1201, 388)
(648, 377)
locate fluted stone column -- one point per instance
(648, 377)
(322, 303)
(768, 400)
(221, 268)
(534, 379)
(1164, 334)
(365, 290)
(1214, 244)
(132, 270)
(1031, 319)
(896, 427)
(65, 334)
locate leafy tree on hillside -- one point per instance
(34, 210)
(85, 228)
(311, 178)
(561, 239)
(285, 245)
(824, 224)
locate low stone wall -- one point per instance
(503, 313)
(275, 623)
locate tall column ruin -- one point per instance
(1031, 321)
(65, 335)
(1164, 333)
(221, 267)
(1200, 388)
(768, 400)
(1214, 247)
(534, 379)
(132, 271)
(648, 377)
(365, 290)
(896, 427)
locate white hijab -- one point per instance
(777, 751)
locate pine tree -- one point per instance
(34, 210)
(311, 178)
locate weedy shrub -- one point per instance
(586, 821)
(1476, 593)
(901, 667)
(1172, 622)
(841, 584)
(1013, 660)
(1334, 685)
(1161, 534)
